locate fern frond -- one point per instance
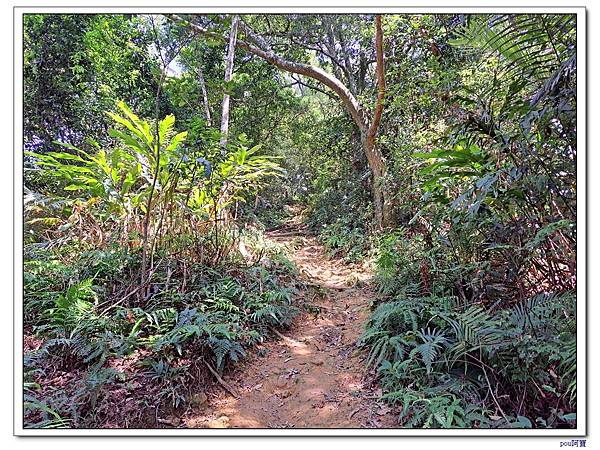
(429, 349)
(532, 46)
(225, 349)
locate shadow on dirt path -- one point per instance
(312, 376)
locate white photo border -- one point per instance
(582, 158)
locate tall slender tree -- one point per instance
(203, 89)
(229, 57)
(366, 122)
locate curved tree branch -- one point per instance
(310, 86)
(261, 49)
(368, 129)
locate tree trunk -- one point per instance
(256, 45)
(203, 91)
(382, 204)
(228, 74)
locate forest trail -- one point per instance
(312, 375)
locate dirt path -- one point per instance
(312, 376)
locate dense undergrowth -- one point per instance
(127, 313)
(452, 362)
(98, 356)
(475, 325)
(147, 273)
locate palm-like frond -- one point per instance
(431, 346)
(569, 365)
(531, 46)
(474, 328)
(543, 310)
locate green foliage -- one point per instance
(434, 355)
(49, 417)
(120, 178)
(152, 164)
(531, 45)
(85, 310)
(73, 306)
(74, 66)
(479, 282)
(218, 318)
(442, 411)
(344, 240)
(145, 256)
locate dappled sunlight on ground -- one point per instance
(312, 375)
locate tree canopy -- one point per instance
(197, 185)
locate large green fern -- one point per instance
(531, 46)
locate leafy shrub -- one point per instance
(344, 240)
(441, 359)
(86, 326)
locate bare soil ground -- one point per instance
(313, 375)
